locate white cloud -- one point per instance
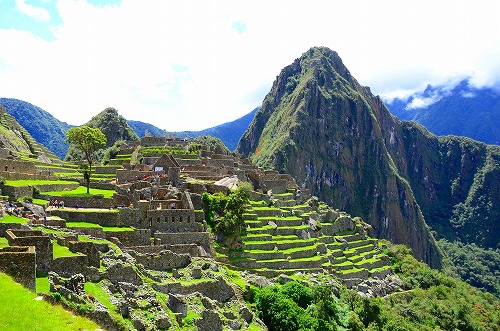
(419, 102)
(38, 13)
(467, 95)
(188, 65)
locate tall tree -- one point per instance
(88, 140)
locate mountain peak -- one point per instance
(321, 126)
(323, 58)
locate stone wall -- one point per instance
(126, 176)
(191, 249)
(173, 220)
(69, 265)
(15, 226)
(109, 170)
(277, 186)
(5, 153)
(87, 248)
(130, 238)
(19, 262)
(43, 175)
(163, 260)
(42, 243)
(14, 166)
(217, 289)
(199, 238)
(219, 163)
(17, 192)
(103, 218)
(342, 223)
(96, 201)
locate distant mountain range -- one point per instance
(49, 131)
(229, 132)
(462, 111)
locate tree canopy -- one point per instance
(88, 140)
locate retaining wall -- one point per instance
(19, 262)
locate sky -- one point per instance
(190, 65)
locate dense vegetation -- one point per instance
(430, 300)
(478, 266)
(224, 213)
(112, 125)
(87, 140)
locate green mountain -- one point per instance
(114, 127)
(16, 142)
(229, 132)
(340, 141)
(45, 128)
(462, 110)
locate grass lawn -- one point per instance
(27, 182)
(3, 242)
(42, 283)
(13, 219)
(102, 296)
(19, 311)
(81, 191)
(117, 229)
(70, 225)
(61, 251)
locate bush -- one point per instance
(300, 294)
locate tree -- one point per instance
(87, 140)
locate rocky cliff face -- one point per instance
(337, 139)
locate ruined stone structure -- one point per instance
(41, 242)
(19, 262)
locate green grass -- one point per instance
(13, 219)
(26, 182)
(117, 229)
(102, 296)
(3, 242)
(70, 225)
(40, 202)
(81, 191)
(19, 311)
(61, 251)
(42, 283)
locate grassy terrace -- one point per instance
(3, 242)
(81, 191)
(101, 295)
(13, 219)
(262, 246)
(26, 182)
(80, 237)
(70, 225)
(20, 316)
(61, 251)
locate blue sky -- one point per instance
(194, 64)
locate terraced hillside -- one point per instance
(20, 143)
(288, 237)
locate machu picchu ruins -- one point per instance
(149, 235)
